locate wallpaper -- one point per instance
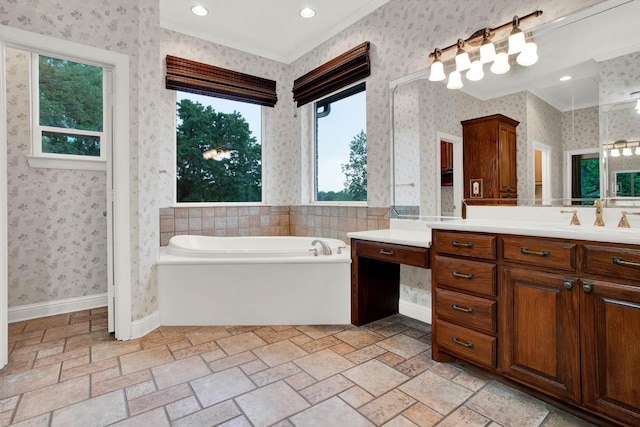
(401, 33)
(57, 232)
(581, 129)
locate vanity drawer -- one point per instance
(474, 312)
(467, 344)
(539, 252)
(466, 244)
(409, 255)
(612, 261)
(468, 276)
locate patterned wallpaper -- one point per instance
(581, 129)
(401, 33)
(57, 232)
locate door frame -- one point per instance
(567, 166)
(546, 172)
(458, 187)
(117, 171)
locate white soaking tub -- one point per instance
(278, 280)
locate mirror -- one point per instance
(563, 121)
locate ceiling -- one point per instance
(270, 28)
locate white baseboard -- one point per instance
(142, 327)
(50, 308)
(415, 311)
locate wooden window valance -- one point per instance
(204, 79)
(341, 71)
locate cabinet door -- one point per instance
(611, 350)
(508, 175)
(539, 331)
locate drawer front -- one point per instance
(400, 254)
(474, 312)
(469, 345)
(469, 276)
(612, 261)
(465, 244)
(539, 252)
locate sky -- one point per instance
(336, 131)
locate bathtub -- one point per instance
(280, 280)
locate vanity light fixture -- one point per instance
(516, 38)
(199, 10)
(614, 149)
(462, 57)
(437, 68)
(488, 41)
(615, 152)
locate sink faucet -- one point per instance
(326, 249)
(599, 221)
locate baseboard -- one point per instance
(142, 327)
(51, 308)
(415, 311)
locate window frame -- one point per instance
(40, 159)
(338, 95)
(263, 144)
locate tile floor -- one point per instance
(66, 370)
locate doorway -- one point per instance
(117, 175)
(449, 173)
(582, 176)
(542, 173)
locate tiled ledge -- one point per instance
(320, 221)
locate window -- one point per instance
(340, 147)
(219, 150)
(585, 178)
(628, 184)
(69, 119)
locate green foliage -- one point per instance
(355, 171)
(70, 98)
(332, 196)
(590, 177)
(237, 179)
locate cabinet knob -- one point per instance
(587, 287)
(568, 284)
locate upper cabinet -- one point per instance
(489, 160)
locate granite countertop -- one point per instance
(610, 234)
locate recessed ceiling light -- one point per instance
(199, 10)
(307, 12)
(565, 78)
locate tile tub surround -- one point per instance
(334, 375)
(321, 221)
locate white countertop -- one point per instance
(609, 234)
(420, 238)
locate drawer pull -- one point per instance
(462, 343)
(462, 245)
(466, 310)
(620, 261)
(462, 276)
(385, 252)
(526, 251)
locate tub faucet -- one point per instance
(326, 250)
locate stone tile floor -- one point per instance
(66, 370)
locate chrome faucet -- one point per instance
(326, 249)
(599, 221)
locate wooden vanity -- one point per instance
(561, 316)
(375, 275)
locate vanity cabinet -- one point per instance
(489, 160)
(557, 315)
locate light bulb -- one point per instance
(307, 12)
(199, 10)
(455, 80)
(626, 151)
(475, 73)
(516, 41)
(437, 71)
(501, 64)
(487, 51)
(529, 55)
(615, 152)
(462, 60)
